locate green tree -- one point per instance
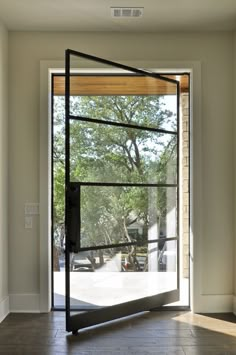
(106, 153)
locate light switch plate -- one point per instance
(28, 222)
(31, 208)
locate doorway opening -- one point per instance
(129, 212)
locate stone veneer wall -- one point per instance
(184, 165)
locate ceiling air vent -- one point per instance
(119, 12)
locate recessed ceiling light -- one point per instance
(134, 12)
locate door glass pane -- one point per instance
(147, 110)
(101, 278)
(103, 153)
(122, 165)
(118, 214)
(126, 96)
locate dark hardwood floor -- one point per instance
(147, 333)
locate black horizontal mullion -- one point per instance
(121, 124)
(108, 313)
(82, 183)
(120, 245)
(158, 240)
(142, 72)
(108, 246)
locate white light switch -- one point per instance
(28, 222)
(31, 208)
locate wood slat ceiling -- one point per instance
(119, 85)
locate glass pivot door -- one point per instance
(122, 186)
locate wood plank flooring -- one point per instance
(147, 333)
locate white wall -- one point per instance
(234, 129)
(214, 245)
(4, 303)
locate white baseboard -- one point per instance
(31, 303)
(4, 308)
(24, 303)
(215, 304)
(234, 305)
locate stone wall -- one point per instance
(184, 166)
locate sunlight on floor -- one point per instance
(208, 322)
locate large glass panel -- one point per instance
(103, 153)
(121, 94)
(122, 187)
(101, 278)
(111, 215)
(156, 111)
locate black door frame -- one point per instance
(75, 322)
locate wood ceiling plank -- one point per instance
(119, 85)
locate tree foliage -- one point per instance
(106, 153)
